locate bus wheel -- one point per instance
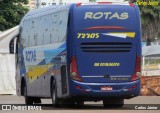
(37, 100)
(118, 103)
(28, 100)
(55, 100)
(68, 103)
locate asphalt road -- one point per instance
(93, 107)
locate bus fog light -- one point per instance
(138, 74)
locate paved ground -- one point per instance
(89, 106)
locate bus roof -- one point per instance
(51, 9)
(55, 8)
(44, 11)
(105, 3)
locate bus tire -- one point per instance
(118, 103)
(37, 100)
(28, 100)
(55, 100)
(68, 102)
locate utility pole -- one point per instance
(38, 3)
(60, 2)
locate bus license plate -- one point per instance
(106, 88)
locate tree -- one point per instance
(11, 12)
(150, 19)
(159, 35)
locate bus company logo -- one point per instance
(147, 2)
(6, 107)
(106, 15)
(31, 56)
(19, 107)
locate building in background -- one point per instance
(8, 61)
(32, 4)
(45, 3)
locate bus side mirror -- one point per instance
(12, 46)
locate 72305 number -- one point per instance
(87, 35)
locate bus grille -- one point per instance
(106, 47)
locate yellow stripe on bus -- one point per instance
(36, 71)
(128, 34)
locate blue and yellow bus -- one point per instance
(80, 52)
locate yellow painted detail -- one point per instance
(128, 34)
(36, 71)
(107, 64)
(87, 35)
(96, 64)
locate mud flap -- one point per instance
(64, 79)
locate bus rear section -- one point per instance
(106, 52)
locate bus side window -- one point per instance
(27, 34)
(63, 25)
(36, 32)
(29, 42)
(47, 28)
(39, 30)
(43, 30)
(50, 28)
(23, 34)
(54, 17)
(35, 39)
(55, 28)
(32, 31)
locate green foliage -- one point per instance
(159, 35)
(11, 12)
(149, 12)
(150, 18)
